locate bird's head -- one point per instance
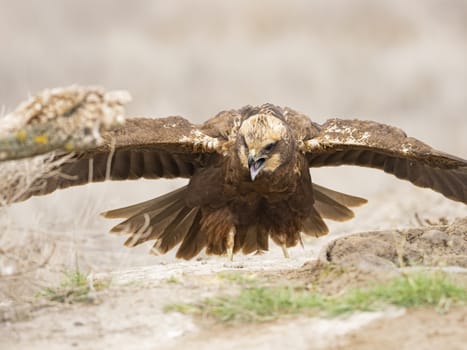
(264, 143)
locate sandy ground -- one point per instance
(393, 62)
(129, 312)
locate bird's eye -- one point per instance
(270, 146)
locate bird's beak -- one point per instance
(255, 165)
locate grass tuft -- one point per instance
(238, 278)
(172, 280)
(256, 303)
(76, 287)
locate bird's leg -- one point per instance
(284, 251)
(230, 243)
(281, 240)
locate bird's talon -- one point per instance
(230, 253)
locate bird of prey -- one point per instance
(249, 177)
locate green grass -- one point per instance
(172, 280)
(256, 303)
(74, 288)
(238, 278)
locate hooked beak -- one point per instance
(255, 165)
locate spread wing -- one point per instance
(141, 148)
(370, 144)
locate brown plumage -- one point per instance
(249, 176)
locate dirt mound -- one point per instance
(435, 246)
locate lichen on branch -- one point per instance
(61, 119)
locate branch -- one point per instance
(62, 119)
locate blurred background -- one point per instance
(393, 61)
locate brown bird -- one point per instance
(249, 176)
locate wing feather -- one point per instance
(142, 148)
(176, 231)
(370, 144)
(341, 198)
(195, 240)
(158, 202)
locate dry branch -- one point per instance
(68, 119)
(65, 119)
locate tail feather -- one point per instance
(250, 244)
(168, 221)
(334, 205)
(314, 225)
(134, 223)
(158, 222)
(253, 239)
(165, 219)
(342, 198)
(158, 202)
(239, 239)
(262, 239)
(176, 231)
(330, 209)
(195, 240)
